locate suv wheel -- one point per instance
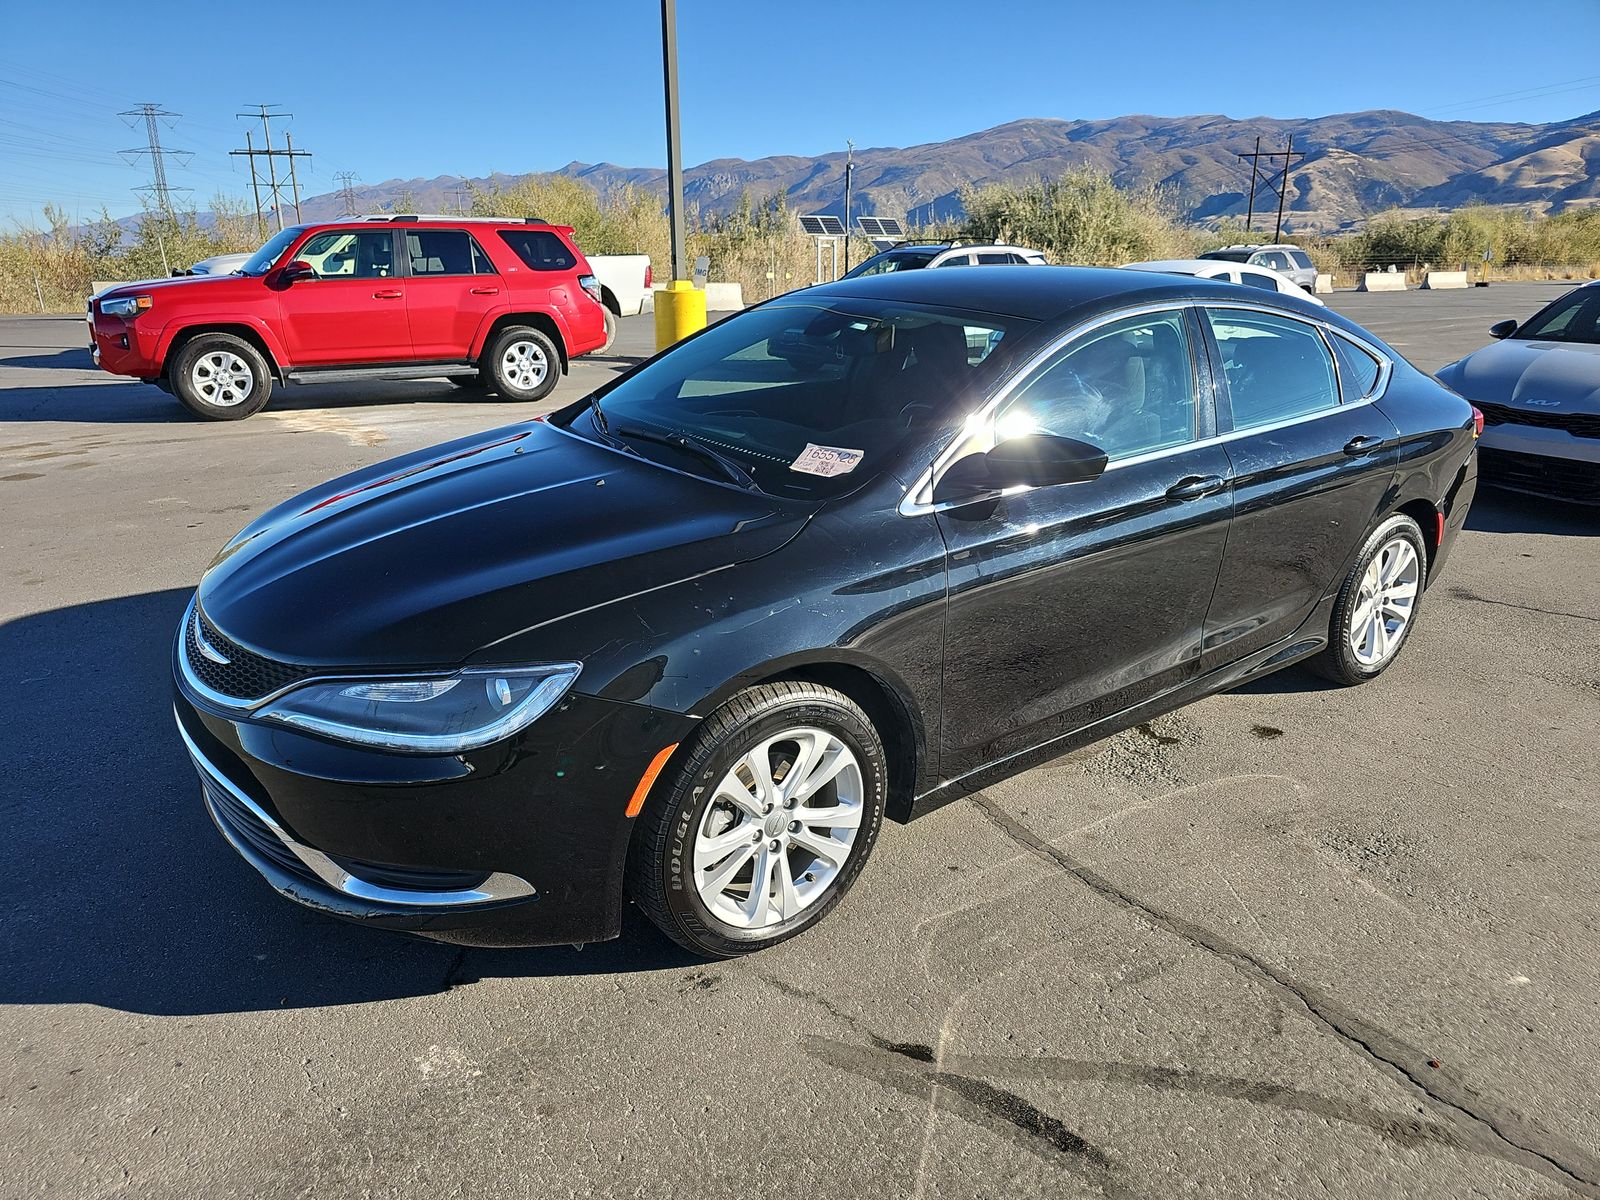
(220, 377)
(523, 364)
(769, 819)
(611, 330)
(1377, 604)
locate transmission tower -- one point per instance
(158, 189)
(265, 114)
(347, 192)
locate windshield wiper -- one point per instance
(682, 441)
(601, 421)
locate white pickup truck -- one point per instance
(625, 282)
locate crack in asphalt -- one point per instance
(1463, 594)
(1485, 1131)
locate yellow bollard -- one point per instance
(680, 311)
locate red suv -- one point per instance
(501, 302)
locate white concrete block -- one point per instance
(1434, 280)
(1382, 281)
(1324, 284)
(724, 297)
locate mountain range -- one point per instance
(1346, 167)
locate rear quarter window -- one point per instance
(539, 249)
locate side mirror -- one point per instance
(1035, 460)
(298, 270)
(1502, 329)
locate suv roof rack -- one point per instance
(407, 218)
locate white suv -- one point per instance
(911, 256)
(1280, 257)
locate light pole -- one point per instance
(680, 308)
(849, 176)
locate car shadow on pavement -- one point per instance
(72, 358)
(120, 892)
(1498, 511)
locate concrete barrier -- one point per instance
(1382, 281)
(1434, 280)
(724, 297)
(99, 285)
(1324, 285)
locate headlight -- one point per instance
(443, 714)
(124, 306)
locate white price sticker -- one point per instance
(826, 460)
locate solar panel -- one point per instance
(881, 226)
(822, 225)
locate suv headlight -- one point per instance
(442, 714)
(124, 306)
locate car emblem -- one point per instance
(206, 648)
(1541, 403)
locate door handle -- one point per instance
(391, 294)
(1362, 445)
(485, 291)
(1195, 486)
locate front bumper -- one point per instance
(125, 346)
(1541, 462)
(519, 844)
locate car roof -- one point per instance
(1041, 294)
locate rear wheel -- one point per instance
(1377, 604)
(220, 377)
(523, 364)
(770, 817)
(611, 330)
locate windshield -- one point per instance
(805, 400)
(1573, 318)
(893, 260)
(264, 259)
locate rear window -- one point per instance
(1228, 255)
(1300, 259)
(539, 249)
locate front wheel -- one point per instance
(769, 818)
(220, 377)
(1376, 608)
(523, 364)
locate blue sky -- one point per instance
(537, 85)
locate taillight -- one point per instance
(649, 277)
(1477, 421)
(591, 285)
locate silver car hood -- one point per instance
(1541, 376)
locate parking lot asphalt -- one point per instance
(1290, 941)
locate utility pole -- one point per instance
(849, 177)
(1283, 188)
(264, 114)
(1250, 212)
(347, 192)
(1288, 154)
(255, 186)
(152, 115)
(680, 306)
(460, 195)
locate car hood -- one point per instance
(427, 559)
(1551, 376)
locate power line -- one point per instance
(1288, 154)
(157, 188)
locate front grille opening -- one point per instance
(250, 830)
(1563, 478)
(246, 675)
(413, 879)
(1584, 425)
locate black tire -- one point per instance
(611, 330)
(1337, 660)
(210, 403)
(661, 857)
(500, 374)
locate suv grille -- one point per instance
(1584, 425)
(246, 675)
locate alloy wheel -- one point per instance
(779, 828)
(1384, 605)
(524, 365)
(222, 378)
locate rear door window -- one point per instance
(539, 249)
(995, 256)
(1276, 368)
(1258, 279)
(446, 252)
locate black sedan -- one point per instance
(848, 554)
